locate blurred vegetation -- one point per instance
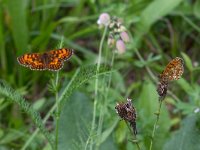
(160, 30)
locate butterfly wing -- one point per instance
(173, 70)
(62, 54)
(54, 64)
(56, 58)
(34, 61)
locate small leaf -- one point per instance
(38, 104)
(108, 132)
(188, 61)
(12, 135)
(185, 86)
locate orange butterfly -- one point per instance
(52, 60)
(173, 71)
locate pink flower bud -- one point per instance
(104, 19)
(120, 46)
(124, 36)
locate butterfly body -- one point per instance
(52, 60)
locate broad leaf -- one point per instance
(187, 137)
(75, 121)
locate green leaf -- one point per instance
(12, 135)
(148, 100)
(197, 9)
(188, 61)
(2, 41)
(108, 132)
(17, 12)
(118, 81)
(39, 103)
(185, 86)
(155, 11)
(187, 137)
(185, 108)
(108, 144)
(75, 122)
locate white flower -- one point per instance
(196, 110)
(104, 19)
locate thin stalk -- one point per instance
(134, 137)
(110, 75)
(156, 123)
(101, 118)
(57, 108)
(146, 67)
(57, 101)
(137, 144)
(96, 86)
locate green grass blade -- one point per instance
(2, 42)
(155, 11)
(17, 12)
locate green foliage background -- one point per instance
(159, 29)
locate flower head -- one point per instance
(118, 35)
(104, 19)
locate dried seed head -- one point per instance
(128, 113)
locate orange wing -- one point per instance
(34, 61)
(61, 54)
(54, 64)
(173, 70)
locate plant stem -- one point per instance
(101, 116)
(57, 100)
(134, 136)
(96, 86)
(156, 122)
(146, 67)
(57, 108)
